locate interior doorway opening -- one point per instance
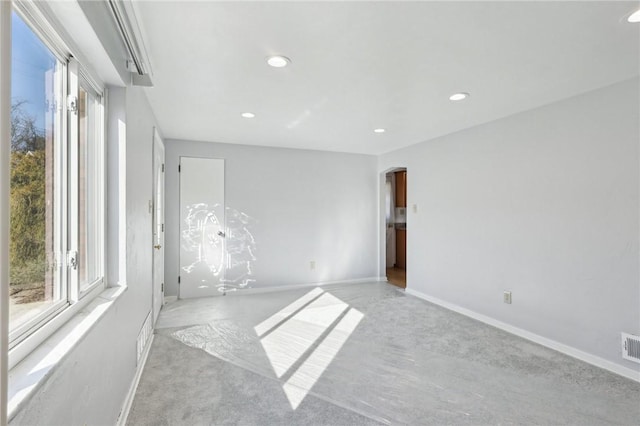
(396, 226)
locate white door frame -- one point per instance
(158, 229)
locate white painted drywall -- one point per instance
(89, 386)
(302, 206)
(543, 204)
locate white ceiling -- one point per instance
(357, 66)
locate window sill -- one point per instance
(36, 368)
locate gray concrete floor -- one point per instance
(361, 354)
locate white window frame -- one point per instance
(24, 339)
(86, 83)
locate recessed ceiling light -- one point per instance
(635, 17)
(248, 115)
(278, 61)
(379, 130)
(458, 96)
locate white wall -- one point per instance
(90, 384)
(544, 204)
(303, 206)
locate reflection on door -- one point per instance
(202, 227)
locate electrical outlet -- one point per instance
(507, 297)
(312, 265)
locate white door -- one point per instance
(202, 227)
(158, 224)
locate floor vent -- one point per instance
(631, 347)
(143, 337)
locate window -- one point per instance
(57, 179)
(89, 188)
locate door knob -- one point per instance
(157, 247)
(221, 234)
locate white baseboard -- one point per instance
(124, 413)
(238, 292)
(305, 285)
(244, 291)
(552, 344)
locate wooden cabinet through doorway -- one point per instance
(401, 248)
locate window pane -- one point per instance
(88, 170)
(35, 94)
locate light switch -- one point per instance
(415, 208)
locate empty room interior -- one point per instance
(319, 212)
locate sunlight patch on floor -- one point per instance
(317, 318)
(289, 341)
(284, 313)
(301, 382)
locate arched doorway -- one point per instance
(395, 208)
